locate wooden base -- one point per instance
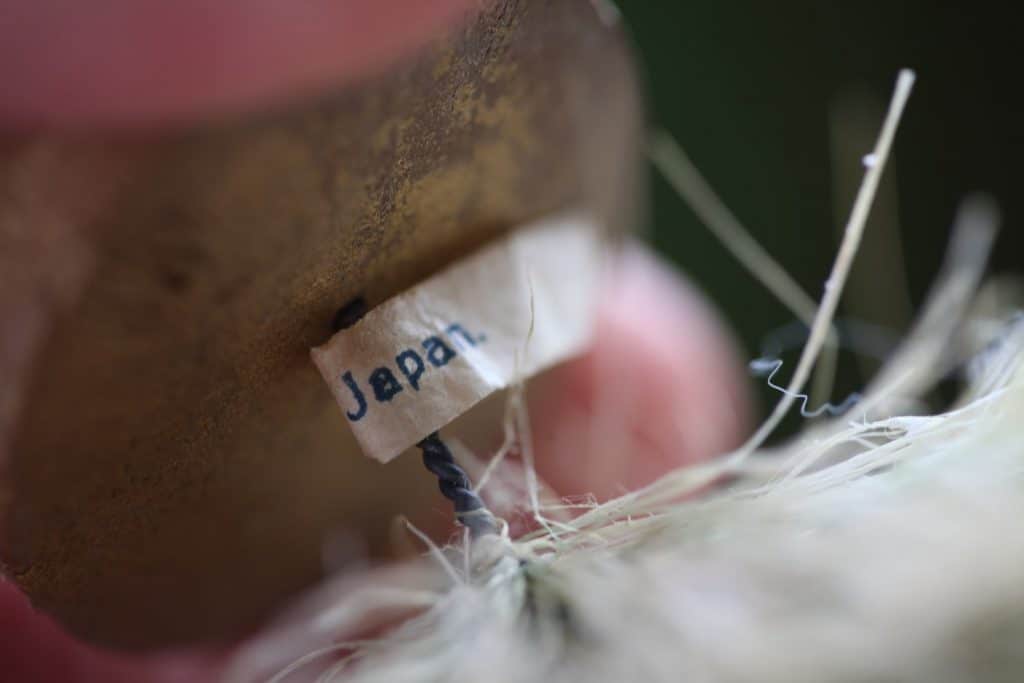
(176, 466)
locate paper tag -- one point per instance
(421, 359)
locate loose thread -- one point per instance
(455, 485)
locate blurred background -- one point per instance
(776, 103)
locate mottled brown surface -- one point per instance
(175, 463)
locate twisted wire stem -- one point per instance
(454, 483)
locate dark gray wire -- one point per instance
(454, 484)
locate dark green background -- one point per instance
(747, 86)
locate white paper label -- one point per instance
(421, 359)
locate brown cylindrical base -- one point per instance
(176, 466)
